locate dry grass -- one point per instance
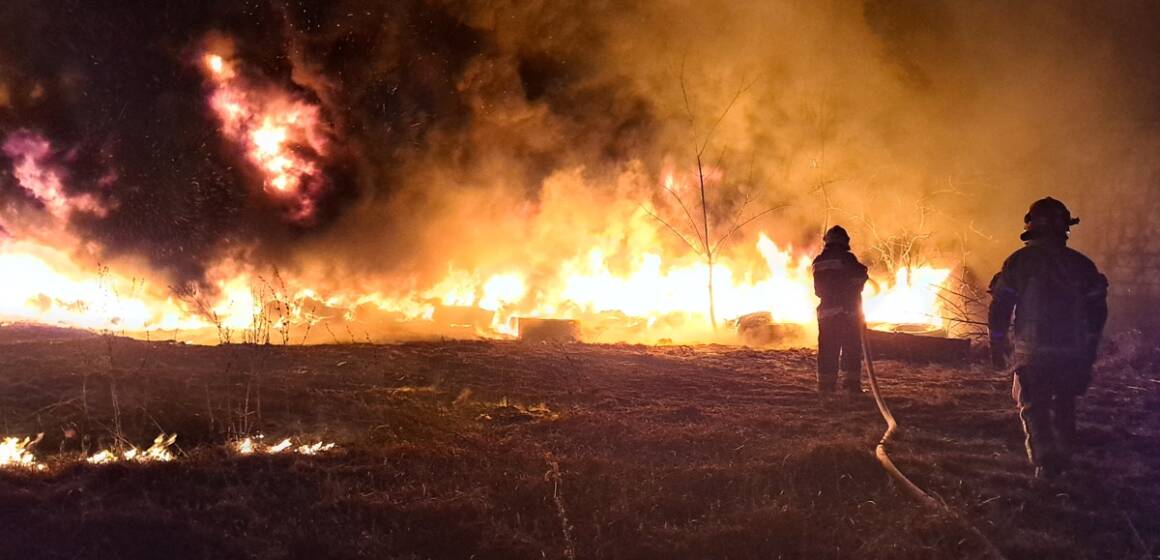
(504, 450)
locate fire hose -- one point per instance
(910, 487)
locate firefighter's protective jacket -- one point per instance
(838, 281)
(1059, 301)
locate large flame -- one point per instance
(47, 285)
(656, 298)
(623, 282)
(646, 294)
(282, 136)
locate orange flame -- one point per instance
(283, 137)
(158, 452)
(256, 446)
(665, 300)
(16, 452)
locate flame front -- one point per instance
(52, 287)
(655, 297)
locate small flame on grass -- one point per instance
(14, 452)
(255, 445)
(314, 448)
(102, 458)
(282, 446)
(252, 445)
(245, 446)
(158, 452)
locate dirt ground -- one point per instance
(470, 449)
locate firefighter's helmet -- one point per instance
(836, 236)
(1049, 215)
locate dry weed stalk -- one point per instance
(326, 324)
(274, 309)
(310, 319)
(205, 309)
(554, 476)
(261, 319)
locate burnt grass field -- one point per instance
(474, 449)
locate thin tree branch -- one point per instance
(964, 321)
(704, 211)
(721, 117)
(738, 226)
(688, 106)
(672, 229)
(966, 298)
(721, 156)
(749, 178)
(688, 213)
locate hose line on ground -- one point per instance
(880, 453)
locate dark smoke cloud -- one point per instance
(460, 124)
(115, 87)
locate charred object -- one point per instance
(534, 329)
(759, 329)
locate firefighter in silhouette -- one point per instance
(1059, 301)
(838, 282)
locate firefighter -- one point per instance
(1059, 301)
(838, 282)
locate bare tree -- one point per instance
(707, 239)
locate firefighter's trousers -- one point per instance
(839, 348)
